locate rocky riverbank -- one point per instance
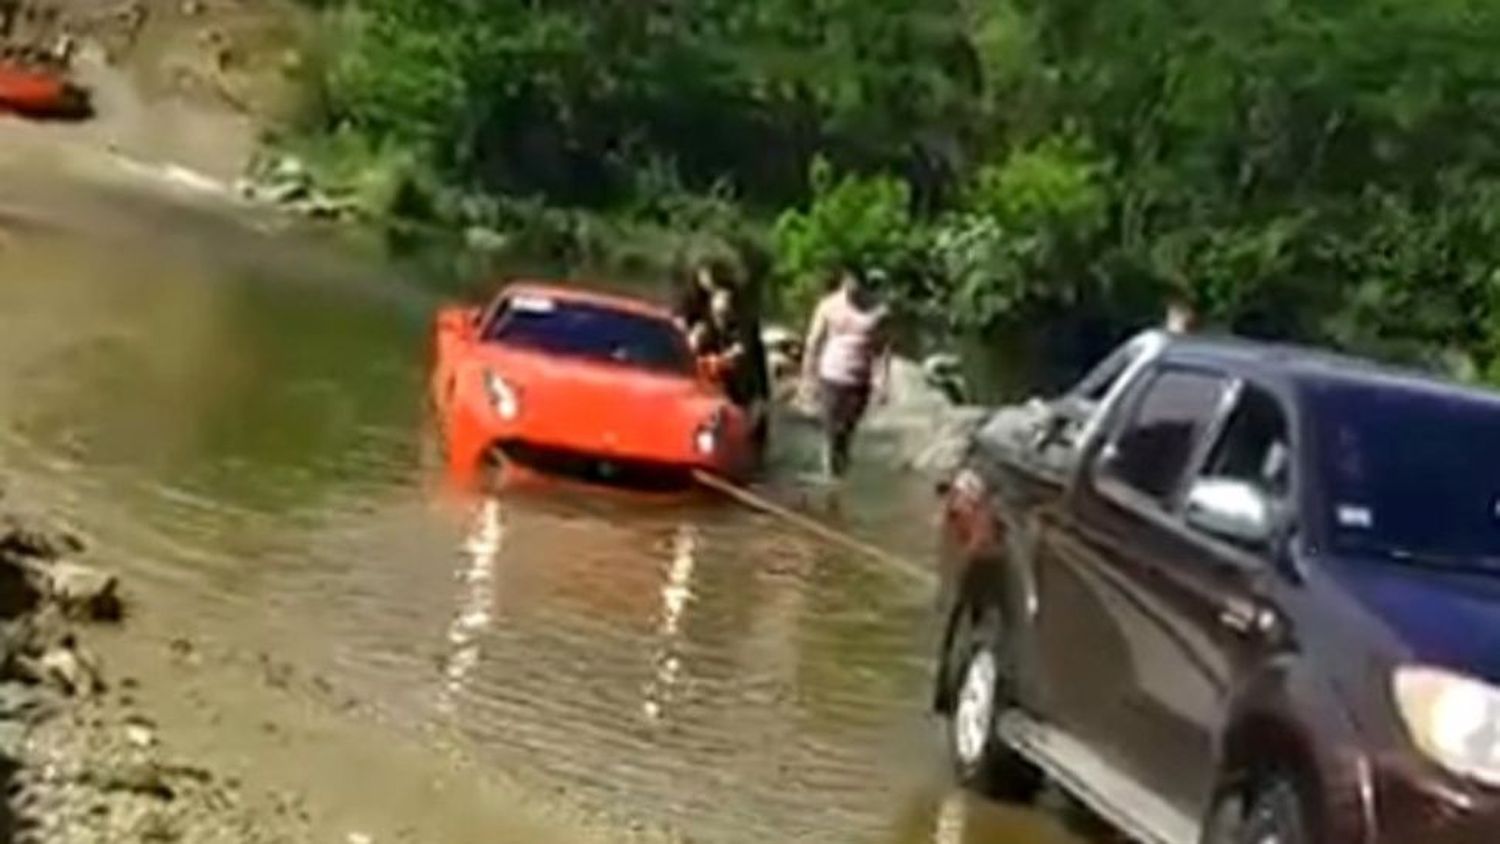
(81, 757)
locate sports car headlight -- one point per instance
(503, 396)
(1454, 720)
(708, 436)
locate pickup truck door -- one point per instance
(1205, 593)
(1108, 650)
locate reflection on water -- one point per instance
(675, 593)
(477, 578)
(240, 420)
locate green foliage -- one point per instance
(1056, 184)
(850, 221)
(1017, 239)
(1329, 171)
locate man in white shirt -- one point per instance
(846, 358)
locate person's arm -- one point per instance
(881, 376)
(697, 333)
(817, 333)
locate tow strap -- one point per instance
(805, 523)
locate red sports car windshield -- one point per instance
(591, 332)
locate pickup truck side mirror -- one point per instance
(1234, 510)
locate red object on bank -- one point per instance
(38, 93)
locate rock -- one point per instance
(83, 591)
(184, 651)
(360, 838)
(133, 775)
(779, 337)
(289, 168)
(941, 363)
(284, 192)
(322, 207)
(944, 371)
(910, 391)
(68, 669)
(18, 593)
(140, 735)
(12, 738)
(192, 8)
(20, 538)
(29, 638)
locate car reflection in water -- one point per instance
(477, 574)
(693, 664)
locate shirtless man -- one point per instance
(846, 360)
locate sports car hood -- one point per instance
(1446, 618)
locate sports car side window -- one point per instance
(1152, 450)
(491, 323)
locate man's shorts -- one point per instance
(843, 405)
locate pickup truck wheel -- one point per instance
(1271, 812)
(981, 760)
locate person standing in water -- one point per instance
(695, 290)
(722, 323)
(846, 359)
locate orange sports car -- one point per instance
(565, 381)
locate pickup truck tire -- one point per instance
(1271, 811)
(982, 761)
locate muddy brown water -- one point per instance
(236, 414)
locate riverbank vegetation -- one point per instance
(1326, 171)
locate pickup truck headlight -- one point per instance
(503, 396)
(1453, 719)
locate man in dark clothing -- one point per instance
(691, 299)
(721, 319)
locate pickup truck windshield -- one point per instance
(1410, 473)
(592, 332)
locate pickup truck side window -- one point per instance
(1095, 385)
(1151, 453)
(1255, 446)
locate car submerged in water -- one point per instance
(1233, 593)
(562, 380)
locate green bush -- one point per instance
(1324, 172)
(858, 221)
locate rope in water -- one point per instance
(805, 523)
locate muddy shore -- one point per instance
(81, 756)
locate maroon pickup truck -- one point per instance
(1233, 593)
